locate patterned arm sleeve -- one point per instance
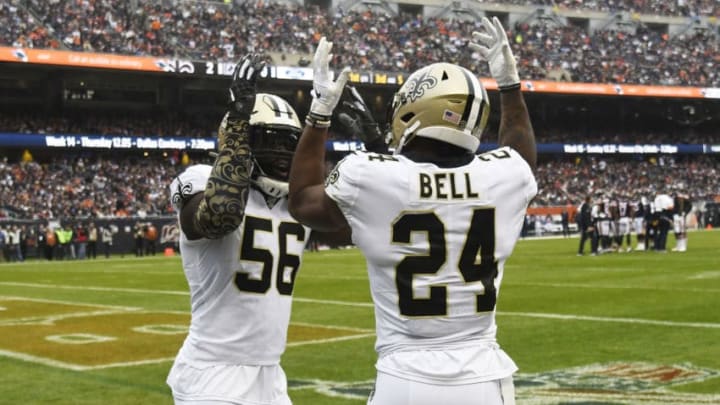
(222, 207)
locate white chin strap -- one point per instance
(272, 187)
(406, 136)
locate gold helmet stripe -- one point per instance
(274, 106)
(472, 112)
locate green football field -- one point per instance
(630, 328)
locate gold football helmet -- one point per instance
(441, 101)
(274, 133)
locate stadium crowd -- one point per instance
(562, 181)
(199, 126)
(371, 39)
(96, 187)
(118, 124)
(82, 187)
(689, 8)
(367, 39)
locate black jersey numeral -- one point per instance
(286, 261)
(477, 261)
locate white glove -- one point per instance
(326, 92)
(495, 48)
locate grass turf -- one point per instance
(556, 312)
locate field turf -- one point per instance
(630, 328)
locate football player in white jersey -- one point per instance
(241, 251)
(624, 225)
(435, 222)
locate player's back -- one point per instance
(435, 240)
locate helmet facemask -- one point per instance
(273, 149)
(274, 134)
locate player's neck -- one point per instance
(421, 156)
(423, 150)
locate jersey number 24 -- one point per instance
(480, 239)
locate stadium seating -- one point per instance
(378, 40)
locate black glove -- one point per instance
(242, 90)
(359, 122)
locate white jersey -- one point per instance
(664, 202)
(241, 287)
(435, 241)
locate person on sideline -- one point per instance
(585, 224)
(435, 222)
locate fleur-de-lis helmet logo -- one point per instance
(417, 86)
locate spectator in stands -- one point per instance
(404, 42)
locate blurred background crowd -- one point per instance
(138, 186)
(205, 126)
(85, 184)
(373, 39)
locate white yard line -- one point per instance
(330, 340)
(705, 275)
(347, 328)
(334, 302)
(41, 360)
(639, 321)
(75, 303)
(52, 319)
(77, 367)
(88, 288)
(129, 363)
(617, 287)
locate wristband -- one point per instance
(317, 121)
(509, 87)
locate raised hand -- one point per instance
(326, 92)
(360, 123)
(494, 47)
(243, 87)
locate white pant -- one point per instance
(639, 225)
(391, 390)
(679, 223)
(228, 385)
